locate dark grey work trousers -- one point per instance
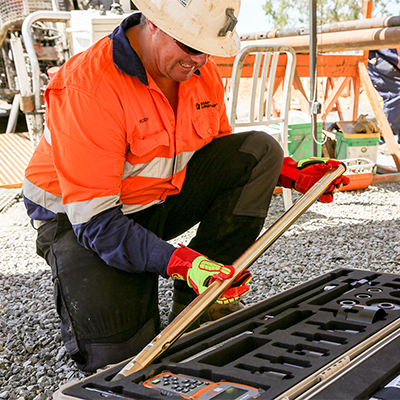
(108, 315)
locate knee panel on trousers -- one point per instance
(256, 195)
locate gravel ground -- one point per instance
(361, 229)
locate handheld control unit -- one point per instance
(200, 389)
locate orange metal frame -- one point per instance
(343, 67)
(340, 70)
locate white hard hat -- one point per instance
(205, 25)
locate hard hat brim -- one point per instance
(191, 31)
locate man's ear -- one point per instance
(152, 28)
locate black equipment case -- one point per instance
(333, 337)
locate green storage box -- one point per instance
(355, 145)
(300, 142)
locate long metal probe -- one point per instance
(202, 302)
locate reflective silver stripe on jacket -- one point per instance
(79, 212)
(132, 208)
(159, 167)
(181, 161)
(47, 134)
(45, 199)
(82, 211)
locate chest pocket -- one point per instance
(206, 128)
(152, 142)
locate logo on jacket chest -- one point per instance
(205, 104)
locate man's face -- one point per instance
(173, 62)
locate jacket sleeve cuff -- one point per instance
(160, 257)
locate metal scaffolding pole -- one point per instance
(315, 107)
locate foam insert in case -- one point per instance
(284, 346)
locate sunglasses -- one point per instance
(188, 50)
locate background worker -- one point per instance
(137, 150)
(384, 71)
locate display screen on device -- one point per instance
(231, 393)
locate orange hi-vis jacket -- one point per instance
(112, 145)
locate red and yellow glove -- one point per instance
(200, 272)
(302, 175)
(238, 288)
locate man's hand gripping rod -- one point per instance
(201, 303)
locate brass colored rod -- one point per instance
(201, 303)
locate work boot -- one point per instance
(214, 312)
(177, 309)
(217, 311)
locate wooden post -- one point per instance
(367, 8)
(301, 93)
(333, 97)
(336, 107)
(367, 12)
(355, 96)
